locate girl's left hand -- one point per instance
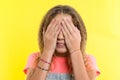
(71, 34)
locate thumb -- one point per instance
(43, 31)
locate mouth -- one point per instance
(60, 45)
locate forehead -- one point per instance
(61, 16)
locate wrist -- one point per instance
(77, 51)
(48, 52)
(44, 61)
(74, 51)
(47, 56)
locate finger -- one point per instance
(49, 26)
(78, 31)
(55, 30)
(56, 33)
(53, 27)
(71, 24)
(69, 27)
(64, 33)
(65, 30)
(57, 22)
(43, 30)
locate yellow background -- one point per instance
(19, 23)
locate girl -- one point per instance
(62, 40)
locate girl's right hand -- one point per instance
(50, 36)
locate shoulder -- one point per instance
(34, 55)
(90, 57)
(90, 63)
(32, 58)
(31, 61)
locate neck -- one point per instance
(61, 54)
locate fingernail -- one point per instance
(63, 21)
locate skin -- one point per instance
(62, 30)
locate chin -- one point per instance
(61, 50)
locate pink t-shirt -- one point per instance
(58, 61)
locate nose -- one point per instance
(60, 36)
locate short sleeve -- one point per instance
(31, 62)
(91, 64)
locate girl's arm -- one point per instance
(79, 69)
(50, 39)
(37, 73)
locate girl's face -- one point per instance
(60, 44)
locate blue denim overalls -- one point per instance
(60, 76)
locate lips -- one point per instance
(60, 44)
